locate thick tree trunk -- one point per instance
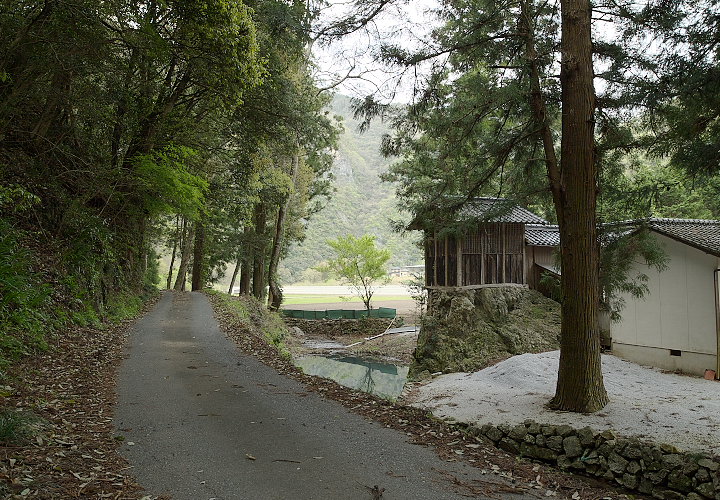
(56, 96)
(245, 273)
(258, 277)
(176, 239)
(185, 252)
(580, 383)
(198, 269)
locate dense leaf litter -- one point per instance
(70, 392)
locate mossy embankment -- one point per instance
(248, 315)
(466, 330)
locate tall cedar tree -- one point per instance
(580, 383)
(487, 115)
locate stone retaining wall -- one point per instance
(339, 327)
(658, 470)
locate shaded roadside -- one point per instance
(66, 396)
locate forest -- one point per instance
(126, 127)
(360, 203)
(197, 126)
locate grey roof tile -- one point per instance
(499, 210)
(701, 234)
(542, 236)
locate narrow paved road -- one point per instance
(203, 421)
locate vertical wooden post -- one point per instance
(458, 248)
(482, 257)
(502, 249)
(524, 257)
(447, 262)
(435, 259)
(717, 322)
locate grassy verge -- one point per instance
(327, 299)
(252, 315)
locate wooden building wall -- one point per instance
(492, 254)
(537, 255)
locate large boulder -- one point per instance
(466, 330)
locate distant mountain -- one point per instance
(362, 204)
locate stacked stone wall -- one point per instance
(661, 471)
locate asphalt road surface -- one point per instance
(203, 421)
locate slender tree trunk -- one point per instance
(258, 277)
(275, 299)
(580, 385)
(198, 269)
(238, 263)
(537, 101)
(245, 273)
(185, 253)
(275, 294)
(176, 240)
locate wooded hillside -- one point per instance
(361, 204)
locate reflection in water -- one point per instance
(382, 379)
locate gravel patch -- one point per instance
(683, 411)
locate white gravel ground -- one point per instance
(665, 408)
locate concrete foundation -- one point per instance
(687, 362)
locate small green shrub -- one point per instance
(123, 306)
(17, 427)
(23, 299)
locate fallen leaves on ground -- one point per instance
(70, 390)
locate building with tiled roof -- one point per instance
(542, 236)
(489, 249)
(698, 233)
(498, 210)
(676, 325)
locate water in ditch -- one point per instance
(382, 379)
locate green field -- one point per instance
(322, 299)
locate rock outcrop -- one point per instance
(466, 330)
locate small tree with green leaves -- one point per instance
(360, 264)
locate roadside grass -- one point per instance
(254, 316)
(331, 299)
(18, 427)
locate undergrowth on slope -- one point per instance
(23, 299)
(256, 317)
(18, 427)
(43, 292)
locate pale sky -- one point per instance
(405, 23)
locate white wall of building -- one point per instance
(677, 314)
